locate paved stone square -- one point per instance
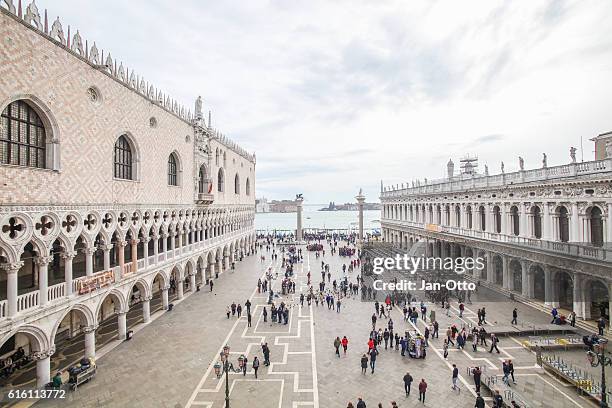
(169, 363)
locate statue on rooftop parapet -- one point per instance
(521, 163)
(486, 170)
(573, 154)
(544, 161)
(502, 167)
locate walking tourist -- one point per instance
(337, 344)
(255, 364)
(364, 364)
(344, 344)
(455, 376)
(422, 390)
(514, 316)
(407, 382)
(494, 341)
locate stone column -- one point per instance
(155, 249)
(547, 224)
(299, 235)
(360, 200)
(12, 271)
(524, 224)
(43, 366)
(43, 278)
(506, 272)
(490, 268)
(226, 262)
(107, 248)
(548, 286)
(180, 238)
(68, 257)
(165, 244)
(146, 309)
(211, 266)
(145, 243)
(503, 213)
(180, 285)
(609, 240)
(121, 251)
(122, 325)
(165, 297)
(577, 295)
(89, 251)
(172, 240)
(192, 282)
(220, 264)
(525, 290)
(134, 267)
(575, 232)
(90, 341)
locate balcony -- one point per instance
(205, 196)
(577, 250)
(90, 285)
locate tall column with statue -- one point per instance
(360, 200)
(299, 236)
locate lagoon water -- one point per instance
(317, 219)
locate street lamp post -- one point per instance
(599, 358)
(227, 366)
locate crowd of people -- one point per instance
(384, 338)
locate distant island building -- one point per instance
(262, 205)
(283, 206)
(350, 207)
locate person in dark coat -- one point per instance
(407, 383)
(480, 403)
(364, 364)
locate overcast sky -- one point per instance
(337, 95)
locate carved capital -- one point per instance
(12, 267)
(122, 243)
(43, 260)
(41, 355)
(145, 240)
(88, 329)
(106, 247)
(166, 287)
(147, 298)
(68, 255)
(89, 251)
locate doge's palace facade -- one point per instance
(112, 195)
(545, 234)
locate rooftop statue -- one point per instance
(573, 154)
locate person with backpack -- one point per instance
(255, 365)
(407, 382)
(337, 344)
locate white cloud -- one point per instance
(334, 96)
